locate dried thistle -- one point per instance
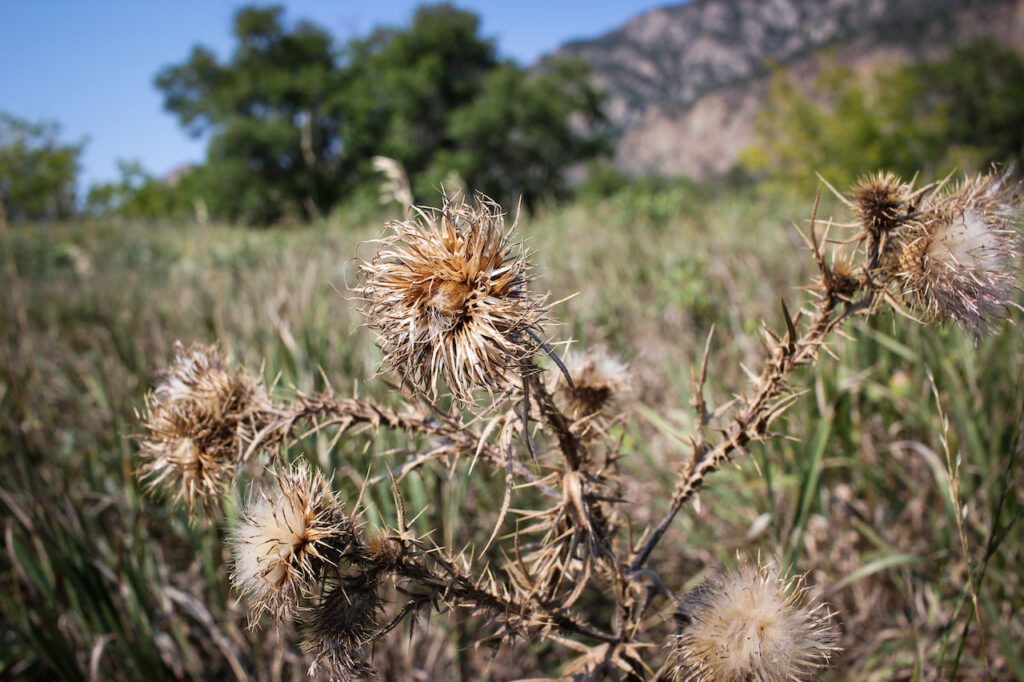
(598, 377)
(753, 624)
(448, 297)
(285, 540)
(195, 421)
(343, 624)
(882, 203)
(879, 200)
(959, 260)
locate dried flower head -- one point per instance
(285, 540)
(448, 297)
(880, 201)
(195, 421)
(339, 631)
(598, 377)
(752, 624)
(959, 260)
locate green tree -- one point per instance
(404, 86)
(523, 130)
(980, 91)
(37, 172)
(844, 127)
(295, 123)
(271, 111)
(137, 194)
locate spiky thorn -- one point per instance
(554, 358)
(558, 423)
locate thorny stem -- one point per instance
(771, 397)
(454, 583)
(561, 425)
(349, 413)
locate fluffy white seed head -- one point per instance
(960, 259)
(285, 540)
(752, 624)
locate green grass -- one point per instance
(97, 580)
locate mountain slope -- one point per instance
(685, 83)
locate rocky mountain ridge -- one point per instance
(685, 84)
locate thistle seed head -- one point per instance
(286, 539)
(194, 422)
(339, 631)
(447, 294)
(752, 624)
(879, 200)
(842, 280)
(960, 260)
(598, 377)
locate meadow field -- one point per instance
(905, 429)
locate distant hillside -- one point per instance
(686, 83)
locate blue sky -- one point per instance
(89, 64)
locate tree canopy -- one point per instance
(38, 172)
(294, 120)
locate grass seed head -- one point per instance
(344, 623)
(194, 421)
(285, 540)
(447, 294)
(752, 624)
(960, 260)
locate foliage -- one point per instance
(272, 112)
(137, 194)
(517, 138)
(296, 120)
(406, 84)
(966, 111)
(37, 172)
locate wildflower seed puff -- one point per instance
(752, 624)
(447, 294)
(287, 537)
(194, 422)
(959, 261)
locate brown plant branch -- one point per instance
(771, 393)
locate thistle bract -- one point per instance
(195, 422)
